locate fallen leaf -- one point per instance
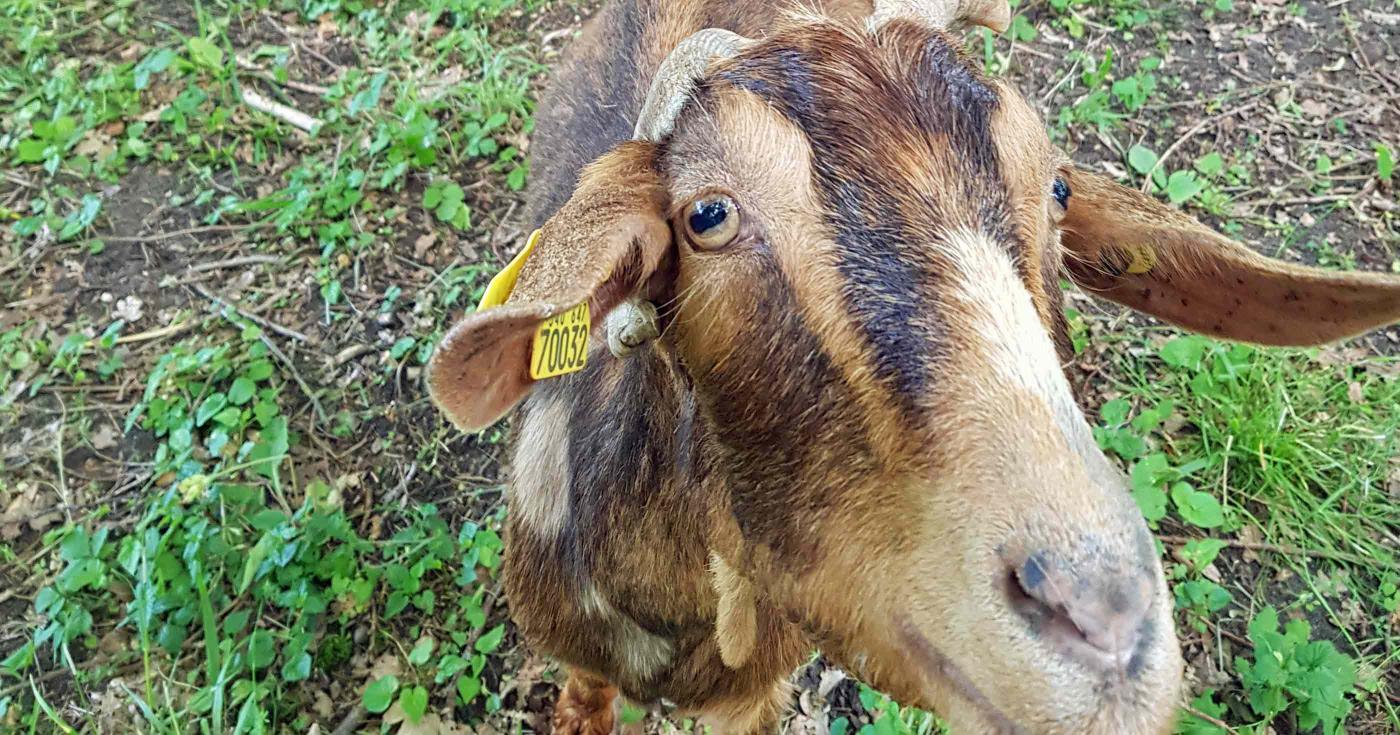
(1250, 535)
(805, 725)
(430, 724)
(94, 144)
(104, 437)
(115, 641)
(386, 665)
(326, 26)
(1385, 19)
(1314, 109)
(26, 508)
(1338, 356)
(130, 309)
(831, 678)
(322, 705)
(151, 115)
(112, 709)
(421, 245)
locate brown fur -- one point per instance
(854, 433)
(1204, 282)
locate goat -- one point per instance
(849, 429)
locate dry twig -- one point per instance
(1198, 127)
(235, 263)
(1275, 548)
(295, 118)
(254, 318)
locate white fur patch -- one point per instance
(539, 488)
(1017, 345)
(640, 653)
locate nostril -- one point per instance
(1095, 619)
(1023, 590)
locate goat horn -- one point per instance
(994, 14)
(676, 79)
(634, 321)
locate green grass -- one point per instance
(240, 573)
(1296, 447)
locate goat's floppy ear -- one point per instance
(605, 241)
(1127, 247)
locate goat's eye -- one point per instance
(1060, 190)
(712, 222)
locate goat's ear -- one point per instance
(1127, 247)
(608, 239)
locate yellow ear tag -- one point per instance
(498, 290)
(1144, 258)
(560, 345)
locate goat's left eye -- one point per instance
(1060, 190)
(712, 222)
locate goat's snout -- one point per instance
(1095, 612)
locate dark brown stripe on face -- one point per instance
(862, 107)
(792, 433)
(621, 451)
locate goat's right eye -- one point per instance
(713, 222)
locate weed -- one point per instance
(1288, 669)
(888, 718)
(1254, 422)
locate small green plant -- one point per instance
(1134, 91)
(1151, 474)
(445, 200)
(380, 694)
(1180, 186)
(49, 141)
(1197, 594)
(1288, 670)
(1022, 29)
(1078, 330)
(1095, 107)
(1191, 723)
(889, 718)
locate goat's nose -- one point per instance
(1091, 613)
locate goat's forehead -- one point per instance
(901, 81)
(888, 121)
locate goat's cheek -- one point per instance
(710, 315)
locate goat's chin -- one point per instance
(1004, 681)
(1033, 693)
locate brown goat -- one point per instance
(853, 432)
